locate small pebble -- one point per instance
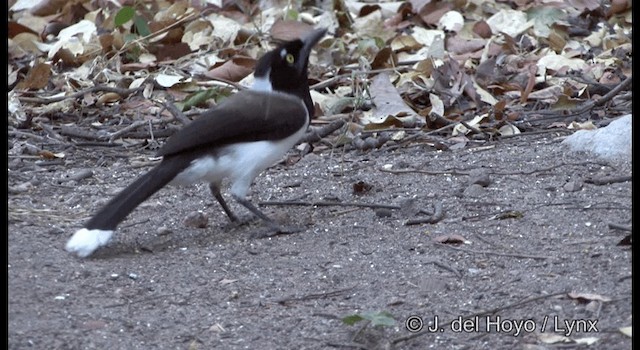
(163, 231)
(479, 177)
(196, 219)
(474, 190)
(573, 186)
(133, 276)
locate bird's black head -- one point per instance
(284, 69)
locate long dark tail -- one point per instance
(146, 185)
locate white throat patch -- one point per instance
(262, 84)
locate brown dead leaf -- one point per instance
(404, 43)
(618, 6)
(37, 78)
(173, 36)
(15, 28)
(48, 7)
(233, 70)
(23, 43)
(433, 11)
(50, 155)
(170, 51)
(384, 58)
(482, 29)
(286, 30)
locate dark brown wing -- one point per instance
(246, 116)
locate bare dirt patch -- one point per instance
(536, 233)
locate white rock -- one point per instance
(612, 142)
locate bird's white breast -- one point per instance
(240, 162)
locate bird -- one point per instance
(233, 141)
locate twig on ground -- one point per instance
(126, 129)
(438, 214)
(608, 180)
(512, 255)
(347, 345)
(614, 226)
(45, 100)
(175, 112)
(330, 203)
(334, 293)
(454, 171)
(317, 133)
(584, 107)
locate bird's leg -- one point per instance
(215, 191)
(252, 208)
(274, 227)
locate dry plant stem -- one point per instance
(481, 313)
(608, 180)
(347, 345)
(315, 296)
(614, 226)
(161, 31)
(512, 255)
(317, 133)
(466, 172)
(438, 214)
(44, 100)
(175, 112)
(586, 106)
(126, 129)
(329, 204)
(332, 80)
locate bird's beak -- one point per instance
(309, 41)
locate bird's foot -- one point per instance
(275, 230)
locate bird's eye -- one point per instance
(289, 58)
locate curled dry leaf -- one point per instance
(109, 97)
(404, 43)
(451, 239)
(586, 297)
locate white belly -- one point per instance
(240, 162)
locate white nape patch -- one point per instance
(262, 83)
(84, 241)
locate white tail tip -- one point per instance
(84, 241)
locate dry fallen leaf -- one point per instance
(37, 78)
(451, 239)
(584, 297)
(626, 331)
(389, 103)
(234, 70)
